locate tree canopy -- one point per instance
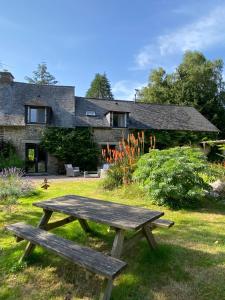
(197, 82)
(100, 88)
(42, 76)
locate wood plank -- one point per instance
(107, 290)
(85, 226)
(110, 213)
(53, 225)
(117, 247)
(44, 220)
(90, 259)
(59, 223)
(162, 223)
(149, 237)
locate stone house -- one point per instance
(26, 109)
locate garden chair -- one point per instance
(72, 171)
(104, 170)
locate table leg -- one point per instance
(84, 225)
(149, 236)
(117, 247)
(107, 290)
(44, 220)
(132, 242)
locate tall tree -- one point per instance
(100, 88)
(197, 82)
(42, 76)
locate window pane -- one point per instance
(115, 120)
(118, 120)
(41, 115)
(121, 120)
(33, 115)
(30, 154)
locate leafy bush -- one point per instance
(72, 146)
(215, 171)
(12, 161)
(173, 177)
(8, 156)
(114, 178)
(12, 186)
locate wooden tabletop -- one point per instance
(110, 213)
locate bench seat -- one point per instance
(162, 223)
(92, 260)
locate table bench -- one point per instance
(96, 262)
(162, 223)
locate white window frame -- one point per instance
(28, 117)
(119, 113)
(90, 113)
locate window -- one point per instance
(37, 115)
(90, 113)
(118, 119)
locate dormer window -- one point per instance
(38, 114)
(90, 113)
(118, 120)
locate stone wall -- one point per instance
(109, 135)
(19, 136)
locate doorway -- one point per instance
(36, 159)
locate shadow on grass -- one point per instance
(147, 270)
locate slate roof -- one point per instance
(70, 112)
(141, 115)
(14, 97)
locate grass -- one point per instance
(188, 264)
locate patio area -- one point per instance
(60, 178)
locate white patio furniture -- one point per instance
(72, 171)
(104, 170)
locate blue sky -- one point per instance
(124, 38)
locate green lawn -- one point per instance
(188, 264)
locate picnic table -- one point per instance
(119, 217)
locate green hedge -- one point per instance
(72, 146)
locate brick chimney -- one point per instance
(6, 77)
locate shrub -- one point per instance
(8, 156)
(12, 186)
(114, 177)
(72, 146)
(215, 171)
(12, 161)
(173, 177)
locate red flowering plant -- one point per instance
(123, 159)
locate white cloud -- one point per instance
(125, 89)
(202, 34)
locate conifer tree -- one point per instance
(42, 76)
(100, 88)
